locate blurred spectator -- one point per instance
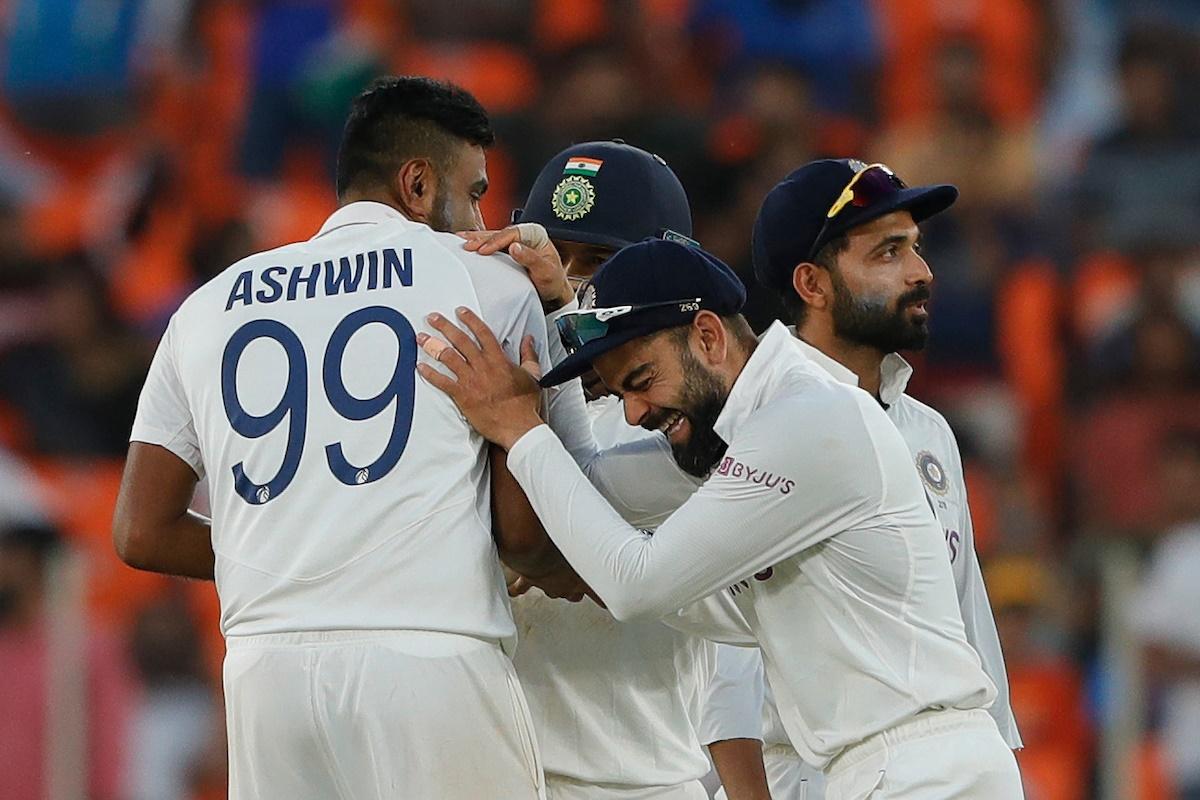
(19, 501)
(963, 142)
(1046, 688)
(76, 387)
(1165, 611)
(175, 718)
(834, 43)
(26, 553)
(306, 69)
(1143, 179)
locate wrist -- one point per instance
(552, 304)
(513, 432)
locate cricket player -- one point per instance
(610, 700)
(351, 538)
(812, 530)
(851, 275)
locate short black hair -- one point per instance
(826, 257)
(396, 119)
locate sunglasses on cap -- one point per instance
(871, 184)
(577, 328)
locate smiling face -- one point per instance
(666, 386)
(881, 286)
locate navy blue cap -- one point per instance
(651, 271)
(789, 223)
(607, 193)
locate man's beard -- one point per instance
(701, 403)
(869, 320)
(439, 216)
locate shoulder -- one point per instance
(920, 411)
(496, 273)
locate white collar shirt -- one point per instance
(815, 526)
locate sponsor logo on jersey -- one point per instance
(733, 468)
(573, 198)
(932, 472)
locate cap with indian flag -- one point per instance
(610, 194)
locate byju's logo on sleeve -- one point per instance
(733, 468)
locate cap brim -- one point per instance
(922, 202)
(581, 360)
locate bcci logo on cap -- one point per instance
(573, 198)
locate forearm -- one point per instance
(689, 557)
(181, 547)
(739, 762)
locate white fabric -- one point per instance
(610, 700)
(935, 454)
(822, 538)
(409, 550)
(375, 714)
(939, 755)
(559, 788)
(1164, 613)
(788, 778)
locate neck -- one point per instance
(864, 361)
(374, 195)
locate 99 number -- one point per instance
(294, 403)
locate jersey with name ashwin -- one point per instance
(346, 492)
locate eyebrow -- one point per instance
(895, 238)
(634, 376)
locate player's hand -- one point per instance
(563, 584)
(529, 246)
(500, 399)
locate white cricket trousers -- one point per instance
(788, 777)
(935, 756)
(375, 715)
(561, 788)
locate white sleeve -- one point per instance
(639, 479)
(799, 501)
(163, 415)
(731, 704)
(979, 624)
(509, 305)
(716, 618)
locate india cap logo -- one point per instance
(573, 198)
(933, 474)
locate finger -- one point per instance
(532, 234)
(519, 587)
(487, 340)
(438, 380)
(529, 358)
(443, 353)
(455, 335)
(499, 241)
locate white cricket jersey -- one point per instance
(813, 524)
(611, 701)
(938, 462)
(346, 492)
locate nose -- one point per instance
(635, 409)
(920, 271)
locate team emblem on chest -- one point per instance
(932, 472)
(573, 197)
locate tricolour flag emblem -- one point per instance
(582, 166)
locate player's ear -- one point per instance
(414, 188)
(708, 331)
(813, 284)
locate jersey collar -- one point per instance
(757, 382)
(894, 378)
(361, 212)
